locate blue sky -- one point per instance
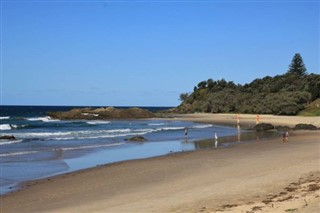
(146, 53)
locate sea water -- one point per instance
(44, 147)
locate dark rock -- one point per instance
(263, 127)
(102, 114)
(305, 127)
(282, 128)
(7, 137)
(136, 138)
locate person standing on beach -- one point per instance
(185, 132)
(238, 119)
(257, 119)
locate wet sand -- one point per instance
(269, 176)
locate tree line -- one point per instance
(285, 94)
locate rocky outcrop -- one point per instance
(282, 128)
(136, 138)
(7, 137)
(102, 114)
(263, 127)
(305, 127)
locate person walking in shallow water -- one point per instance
(216, 140)
(285, 137)
(185, 132)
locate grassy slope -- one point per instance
(313, 109)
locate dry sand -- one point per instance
(264, 176)
(249, 119)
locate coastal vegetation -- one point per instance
(288, 94)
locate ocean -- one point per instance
(44, 147)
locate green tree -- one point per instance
(297, 66)
(183, 96)
(202, 84)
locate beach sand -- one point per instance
(248, 119)
(261, 176)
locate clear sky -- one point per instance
(146, 53)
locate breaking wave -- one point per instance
(62, 149)
(97, 122)
(92, 146)
(157, 124)
(18, 153)
(5, 127)
(202, 126)
(6, 142)
(44, 119)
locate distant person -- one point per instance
(186, 132)
(216, 140)
(257, 119)
(238, 119)
(285, 137)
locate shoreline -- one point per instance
(202, 144)
(176, 182)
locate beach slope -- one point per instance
(267, 175)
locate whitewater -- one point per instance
(44, 146)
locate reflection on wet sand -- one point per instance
(239, 138)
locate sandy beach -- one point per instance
(262, 176)
(249, 119)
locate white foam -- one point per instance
(5, 117)
(92, 146)
(9, 142)
(98, 122)
(17, 153)
(202, 126)
(118, 130)
(146, 130)
(16, 126)
(47, 134)
(172, 128)
(157, 124)
(44, 119)
(86, 134)
(5, 126)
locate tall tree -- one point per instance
(297, 66)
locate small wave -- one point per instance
(17, 153)
(157, 124)
(5, 127)
(44, 119)
(98, 122)
(202, 126)
(6, 142)
(5, 118)
(47, 134)
(92, 146)
(118, 130)
(18, 126)
(63, 149)
(76, 134)
(144, 131)
(172, 128)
